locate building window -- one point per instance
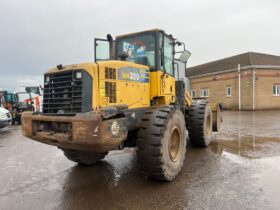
(276, 90)
(204, 92)
(193, 93)
(228, 91)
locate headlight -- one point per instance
(79, 75)
(3, 116)
(47, 78)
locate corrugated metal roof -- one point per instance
(245, 59)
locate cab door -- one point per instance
(167, 79)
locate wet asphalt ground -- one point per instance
(239, 170)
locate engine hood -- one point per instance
(2, 110)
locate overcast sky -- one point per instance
(36, 35)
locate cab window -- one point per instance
(34, 90)
(138, 49)
(168, 55)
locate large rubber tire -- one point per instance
(162, 143)
(217, 119)
(83, 157)
(200, 123)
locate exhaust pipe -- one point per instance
(112, 46)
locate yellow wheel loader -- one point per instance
(132, 95)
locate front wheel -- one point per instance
(162, 143)
(83, 157)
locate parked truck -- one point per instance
(5, 116)
(34, 88)
(17, 103)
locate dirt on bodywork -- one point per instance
(82, 132)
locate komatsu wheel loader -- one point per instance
(130, 96)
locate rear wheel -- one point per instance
(162, 143)
(217, 119)
(83, 157)
(200, 123)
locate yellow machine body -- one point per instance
(119, 82)
(132, 95)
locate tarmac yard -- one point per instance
(239, 170)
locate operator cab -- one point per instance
(153, 48)
(11, 98)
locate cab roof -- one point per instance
(140, 32)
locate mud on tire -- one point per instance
(199, 123)
(162, 143)
(83, 157)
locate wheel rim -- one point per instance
(208, 125)
(174, 144)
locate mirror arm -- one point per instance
(184, 46)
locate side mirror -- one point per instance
(184, 57)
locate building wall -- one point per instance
(217, 85)
(264, 84)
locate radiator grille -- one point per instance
(63, 93)
(110, 91)
(110, 73)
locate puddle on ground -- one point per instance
(268, 179)
(250, 147)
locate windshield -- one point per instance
(23, 97)
(139, 49)
(34, 90)
(11, 98)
